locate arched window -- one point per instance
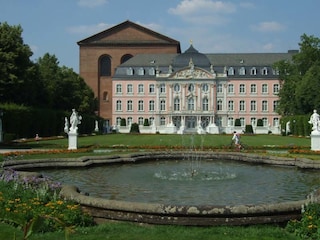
(205, 104)
(190, 104)
(105, 96)
(125, 58)
(105, 66)
(176, 104)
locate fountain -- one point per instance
(162, 210)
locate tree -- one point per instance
(18, 80)
(300, 79)
(64, 88)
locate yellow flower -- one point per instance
(8, 209)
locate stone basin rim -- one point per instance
(199, 215)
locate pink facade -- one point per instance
(187, 93)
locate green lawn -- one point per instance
(127, 231)
(110, 140)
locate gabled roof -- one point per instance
(138, 35)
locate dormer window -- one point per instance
(231, 71)
(264, 71)
(130, 71)
(242, 71)
(253, 71)
(141, 71)
(152, 71)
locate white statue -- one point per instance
(66, 125)
(314, 120)
(75, 120)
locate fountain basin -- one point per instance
(196, 215)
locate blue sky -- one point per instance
(55, 26)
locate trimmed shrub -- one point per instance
(237, 122)
(134, 128)
(249, 129)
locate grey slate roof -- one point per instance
(220, 61)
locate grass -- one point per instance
(128, 231)
(149, 232)
(172, 140)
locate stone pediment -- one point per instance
(192, 72)
(127, 33)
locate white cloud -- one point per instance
(268, 27)
(201, 6)
(88, 29)
(91, 3)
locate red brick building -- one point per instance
(101, 53)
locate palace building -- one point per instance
(138, 74)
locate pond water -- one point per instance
(205, 182)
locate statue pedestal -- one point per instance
(315, 140)
(73, 140)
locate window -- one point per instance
(275, 105)
(219, 105)
(219, 88)
(253, 121)
(105, 96)
(118, 121)
(253, 71)
(129, 121)
(151, 105)
(264, 105)
(130, 71)
(176, 104)
(264, 89)
(253, 88)
(141, 71)
(118, 88)
(151, 88)
(125, 58)
(230, 121)
(140, 105)
(264, 71)
(242, 106)
(242, 88)
(253, 106)
(151, 120)
(140, 88)
(105, 66)
(205, 104)
(242, 121)
(162, 121)
(276, 88)
(162, 88)
(230, 88)
(205, 87)
(265, 122)
(190, 104)
(152, 71)
(129, 105)
(242, 71)
(231, 71)
(162, 105)
(129, 88)
(276, 122)
(231, 105)
(191, 87)
(119, 105)
(176, 87)
(140, 120)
